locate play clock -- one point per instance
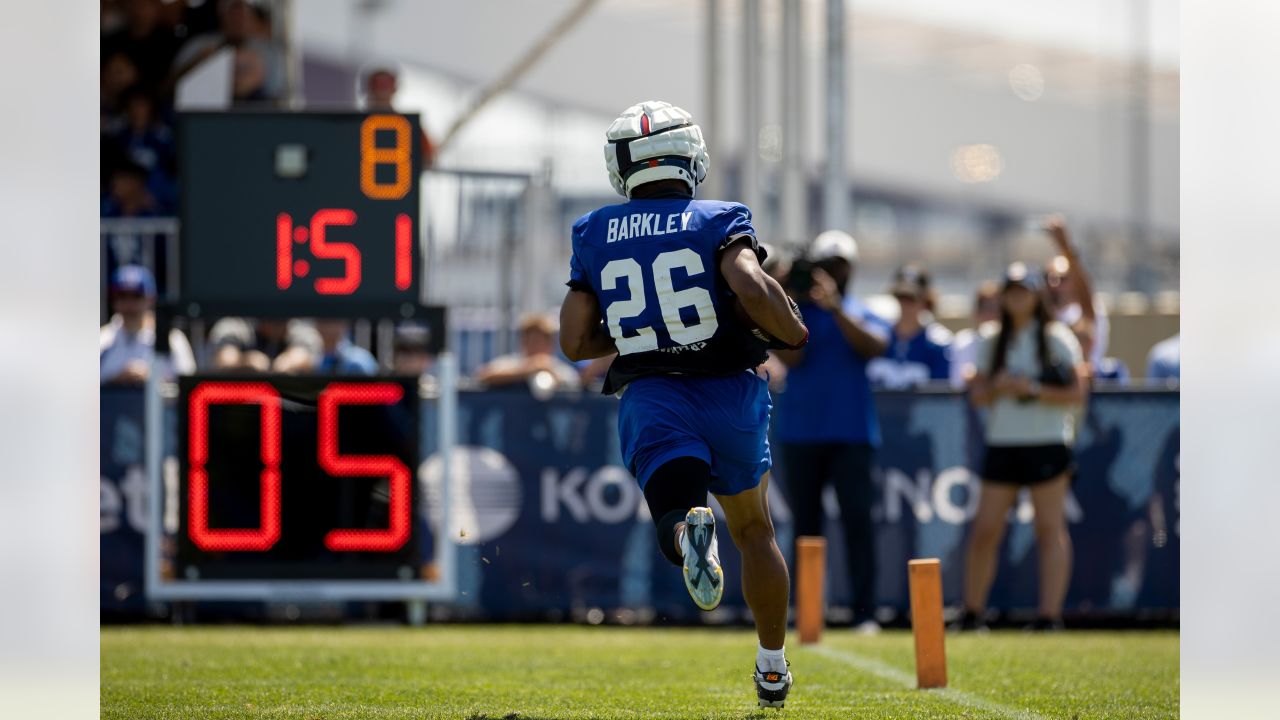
(296, 214)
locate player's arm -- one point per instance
(582, 332)
(761, 296)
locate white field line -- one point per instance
(894, 675)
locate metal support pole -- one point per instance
(415, 612)
(286, 32)
(835, 192)
(1140, 275)
(153, 434)
(448, 440)
(750, 167)
(794, 231)
(713, 187)
(542, 243)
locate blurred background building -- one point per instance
(959, 124)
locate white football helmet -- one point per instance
(652, 141)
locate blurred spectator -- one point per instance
(340, 356)
(918, 346)
(127, 194)
(1164, 362)
(1030, 373)
(148, 141)
(126, 345)
(411, 351)
(149, 144)
(292, 346)
(117, 76)
(826, 420)
(145, 39)
(964, 346)
(380, 87)
(259, 63)
(249, 78)
(591, 372)
(1071, 293)
(536, 362)
(1108, 370)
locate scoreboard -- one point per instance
(298, 487)
(297, 478)
(299, 213)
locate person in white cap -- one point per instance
(826, 420)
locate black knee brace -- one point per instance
(673, 488)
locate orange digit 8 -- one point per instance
(371, 156)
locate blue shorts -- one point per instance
(723, 421)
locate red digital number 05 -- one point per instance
(262, 538)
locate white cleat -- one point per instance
(772, 687)
(703, 576)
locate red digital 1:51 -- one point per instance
(287, 268)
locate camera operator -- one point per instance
(826, 420)
(1031, 374)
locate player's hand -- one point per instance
(824, 292)
(773, 343)
(1056, 227)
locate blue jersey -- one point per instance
(912, 361)
(828, 397)
(654, 265)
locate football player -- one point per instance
(674, 286)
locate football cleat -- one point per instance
(703, 576)
(772, 687)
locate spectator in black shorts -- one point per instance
(1030, 374)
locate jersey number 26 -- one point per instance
(669, 299)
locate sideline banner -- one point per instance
(121, 499)
(550, 523)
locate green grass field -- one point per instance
(324, 673)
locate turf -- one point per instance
(536, 672)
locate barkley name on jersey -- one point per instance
(654, 265)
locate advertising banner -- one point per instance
(551, 524)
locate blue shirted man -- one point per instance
(674, 286)
(827, 425)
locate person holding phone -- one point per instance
(1030, 374)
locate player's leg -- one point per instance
(737, 432)
(671, 462)
(676, 493)
(994, 501)
(765, 586)
(765, 583)
(1054, 544)
(851, 474)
